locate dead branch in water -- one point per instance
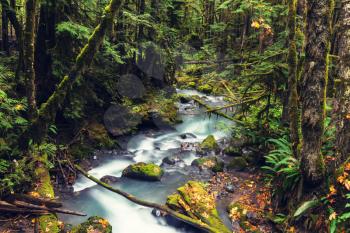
(196, 223)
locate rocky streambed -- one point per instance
(155, 163)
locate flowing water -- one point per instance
(148, 146)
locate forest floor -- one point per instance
(249, 198)
(17, 224)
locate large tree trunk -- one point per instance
(314, 82)
(343, 124)
(292, 78)
(29, 40)
(11, 14)
(47, 112)
(5, 34)
(43, 56)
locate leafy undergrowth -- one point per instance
(250, 204)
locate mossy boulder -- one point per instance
(238, 163)
(192, 84)
(196, 202)
(183, 98)
(209, 144)
(93, 224)
(206, 88)
(232, 151)
(144, 171)
(186, 81)
(211, 162)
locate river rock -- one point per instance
(184, 99)
(187, 135)
(208, 144)
(172, 159)
(238, 163)
(230, 188)
(109, 179)
(232, 151)
(210, 162)
(206, 88)
(144, 171)
(93, 224)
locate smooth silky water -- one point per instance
(125, 216)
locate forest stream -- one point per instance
(149, 146)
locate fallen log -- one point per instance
(196, 223)
(34, 200)
(213, 110)
(9, 208)
(21, 204)
(23, 207)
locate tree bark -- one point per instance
(11, 14)
(29, 41)
(47, 112)
(343, 124)
(5, 34)
(313, 89)
(292, 78)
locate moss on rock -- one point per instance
(209, 144)
(195, 201)
(238, 163)
(99, 136)
(206, 88)
(232, 151)
(144, 171)
(211, 162)
(93, 224)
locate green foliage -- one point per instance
(281, 167)
(341, 220)
(14, 176)
(12, 122)
(305, 207)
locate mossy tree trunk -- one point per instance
(47, 113)
(5, 35)
(11, 14)
(292, 78)
(48, 110)
(313, 89)
(29, 38)
(343, 124)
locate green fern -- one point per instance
(281, 166)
